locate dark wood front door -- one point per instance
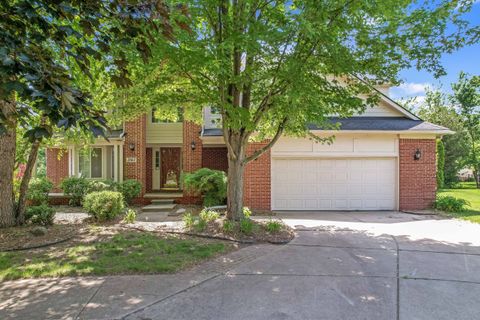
(170, 168)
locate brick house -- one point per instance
(383, 159)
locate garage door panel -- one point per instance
(333, 184)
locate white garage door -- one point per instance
(333, 184)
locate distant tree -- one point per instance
(466, 96)
(438, 109)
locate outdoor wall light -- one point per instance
(193, 145)
(417, 155)
(131, 146)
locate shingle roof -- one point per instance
(369, 124)
(383, 124)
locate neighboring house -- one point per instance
(465, 175)
(383, 159)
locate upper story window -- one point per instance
(168, 117)
(90, 163)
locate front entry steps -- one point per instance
(159, 205)
(159, 210)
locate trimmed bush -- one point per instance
(100, 185)
(76, 189)
(130, 189)
(211, 184)
(38, 190)
(103, 205)
(451, 204)
(41, 215)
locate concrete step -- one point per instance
(152, 216)
(162, 201)
(163, 195)
(167, 207)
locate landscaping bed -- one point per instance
(210, 223)
(110, 250)
(20, 238)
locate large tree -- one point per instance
(437, 108)
(41, 42)
(274, 67)
(466, 95)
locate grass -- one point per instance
(127, 253)
(469, 192)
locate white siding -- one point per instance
(381, 110)
(168, 133)
(351, 145)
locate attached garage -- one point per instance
(334, 184)
(356, 172)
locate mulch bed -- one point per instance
(214, 230)
(21, 238)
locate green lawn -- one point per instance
(467, 191)
(126, 253)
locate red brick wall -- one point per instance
(215, 158)
(148, 187)
(57, 167)
(257, 179)
(192, 159)
(418, 183)
(136, 133)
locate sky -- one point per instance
(466, 59)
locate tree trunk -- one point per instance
(22, 198)
(236, 168)
(7, 165)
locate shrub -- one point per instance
(211, 184)
(247, 213)
(246, 226)
(200, 225)
(38, 191)
(451, 204)
(103, 205)
(100, 185)
(208, 215)
(130, 189)
(228, 226)
(76, 189)
(273, 226)
(130, 216)
(41, 215)
(189, 220)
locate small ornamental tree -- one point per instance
(272, 68)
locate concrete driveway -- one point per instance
(377, 265)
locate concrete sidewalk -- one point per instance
(340, 266)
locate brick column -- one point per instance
(191, 159)
(57, 166)
(257, 179)
(418, 183)
(135, 134)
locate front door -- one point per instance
(170, 168)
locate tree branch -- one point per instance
(267, 147)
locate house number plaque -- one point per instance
(131, 159)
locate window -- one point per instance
(90, 163)
(157, 160)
